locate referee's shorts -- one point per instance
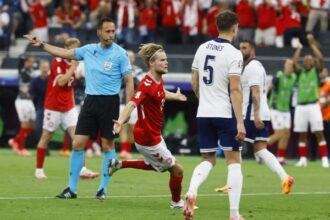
(97, 115)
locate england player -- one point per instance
(149, 99)
(106, 64)
(257, 113)
(216, 72)
(308, 111)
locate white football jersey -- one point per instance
(215, 61)
(254, 74)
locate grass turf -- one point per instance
(136, 194)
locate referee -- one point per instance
(106, 64)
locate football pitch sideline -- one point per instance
(136, 194)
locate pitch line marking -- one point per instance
(164, 196)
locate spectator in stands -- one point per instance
(266, 31)
(102, 10)
(308, 111)
(39, 15)
(24, 107)
(4, 28)
(171, 20)
(246, 14)
(319, 12)
(126, 12)
(38, 91)
(293, 28)
(148, 22)
(206, 5)
(210, 29)
(192, 17)
(325, 103)
(70, 17)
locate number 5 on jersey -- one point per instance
(208, 70)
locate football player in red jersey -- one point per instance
(59, 104)
(149, 98)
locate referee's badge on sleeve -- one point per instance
(107, 66)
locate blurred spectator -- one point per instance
(246, 14)
(266, 31)
(192, 17)
(126, 12)
(148, 22)
(39, 15)
(102, 10)
(14, 10)
(38, 91)
(206, 5)
(4, 28)
(209, 22)
(303, 9)
(293, 28)
(325, 103)
(70, 17)
(171, 20)
(319, 12)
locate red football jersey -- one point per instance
(39, 15)
(150, 99)
(59, 98)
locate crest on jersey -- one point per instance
(107, 66)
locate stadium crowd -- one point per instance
(267, 22)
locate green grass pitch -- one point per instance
(136, 194)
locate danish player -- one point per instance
(149, 99)
(257, 113)
(59, 104)
(216, 72)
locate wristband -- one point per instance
(42, 45)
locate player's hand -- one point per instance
(240, 132)
(258, 123)
(299, 44)
(310, 38)
(180, 96)
(35, 41)
(117, 126)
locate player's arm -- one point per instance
(255, 90)
(129, 86)
(296, 56)
(236, 98)
(53, 50)
(64, 79)
(178, 96)
(123, 117)
(195, 82)
(316, 51)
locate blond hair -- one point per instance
(71, 41)
(148, 52)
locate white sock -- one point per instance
(272, 163)
(199, 176)
(234, 183)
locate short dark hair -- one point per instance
(103, 20)
(225, 20)
(251, 43)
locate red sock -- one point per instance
(136, 164)
(23, 133)
(41, 154)
(176, 187)
(66, 143)
(281, 153)
(125, 146)
(302, 151)
(89, 144)
(323, 150)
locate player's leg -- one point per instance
(317, 128)
(301, 127)
(282, 145)
(175, 184)
(46, 136)
(125, 145)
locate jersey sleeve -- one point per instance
(125, 65)
(141, 93)
(195, 63)
(235, 63)
(253, 73)
(79, 52)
